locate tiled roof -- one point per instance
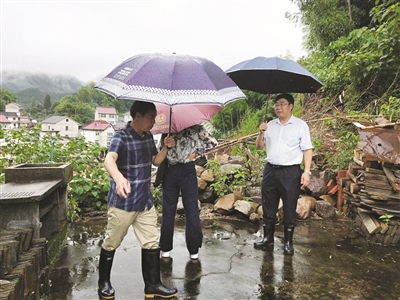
(9, 114)
(54, 119)
(3, 119)
(106, 110)
(97, 125)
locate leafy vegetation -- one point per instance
(386, 218)
(90, 183)
(6, 97)
(225, 181)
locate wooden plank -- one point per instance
(380, 194)
(359, 154)
(354, 168)
(369, 222)
(354, 188)
(384, 227)
(359, 125)
(367, 176)
(358, 162)
(378, 185)
(392, 179)
(354, 178)
(396, 238)
(374, 170)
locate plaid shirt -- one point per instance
(134, 162)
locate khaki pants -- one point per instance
(144, 225)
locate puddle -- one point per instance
(331, 261)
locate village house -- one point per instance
(14, 118)
(4, 122)
(62, 125)
(98, 131)
(15, 108)
(108, 114)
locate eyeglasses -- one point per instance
(276, 105)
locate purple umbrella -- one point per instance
(171, 79)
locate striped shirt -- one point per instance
(134, 162)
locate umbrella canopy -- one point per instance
(182, 117)
(170, 79)
(272, 75)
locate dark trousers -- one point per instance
(181, 177)
(281, 182)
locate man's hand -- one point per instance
(123, 187)
(305, 180)
(263, 126)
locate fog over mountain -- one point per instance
(14, 81)
(33, 87)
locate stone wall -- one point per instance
(24, 264)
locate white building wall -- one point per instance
(65, 127)
(106, 117)
(14, 122)
(12, 107)
(106, 136)
(91, 135)
(101, 137)
(127, 117)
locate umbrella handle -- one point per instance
(267, 109)
(170, 120)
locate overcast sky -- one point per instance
(87, 39)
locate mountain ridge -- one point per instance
(29, 86)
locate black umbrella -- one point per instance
(272, 75)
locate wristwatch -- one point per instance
(308, 172)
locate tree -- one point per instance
(47, 103)
(6, 97)
(326, 21)
(81, 105)
(365, 63)
(72, 107)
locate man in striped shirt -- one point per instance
(131, 153)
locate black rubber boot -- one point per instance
(151, 276)
(268, 240)
(288, 247)
(105, 290)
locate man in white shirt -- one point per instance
(288, 142)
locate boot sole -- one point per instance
(151, 296)
(265, 247)
(102, 297)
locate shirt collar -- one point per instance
(132, 131)
(291, 120)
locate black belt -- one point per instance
(280, 166)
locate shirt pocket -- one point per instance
(292, 140)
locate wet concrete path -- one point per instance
(331, 261)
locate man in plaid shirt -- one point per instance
(131, 153)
